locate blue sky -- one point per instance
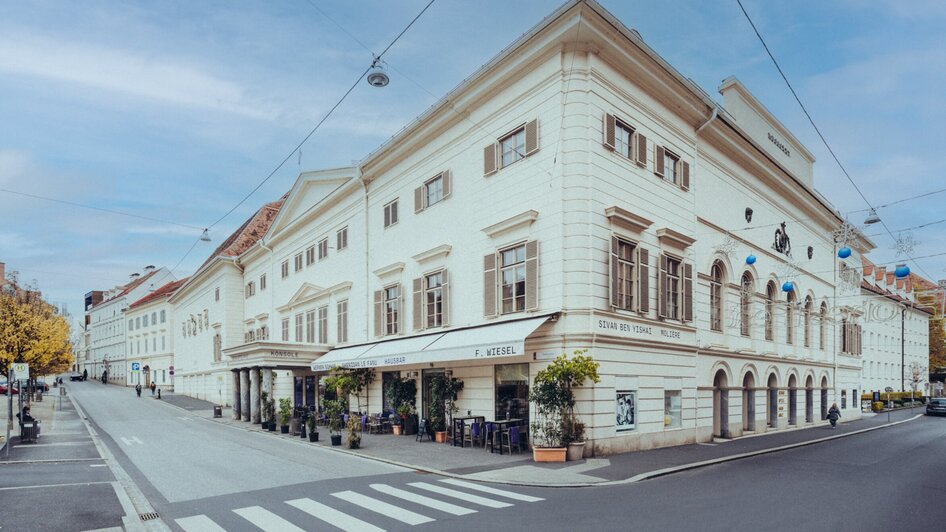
(175, 110)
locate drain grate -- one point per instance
(148, 516)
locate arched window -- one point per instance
(808, 305)
(745, 303)
(790, 317)
(716, 297)
(822, 322)
(770, 311)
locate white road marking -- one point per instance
(475, 499)
(494, 491)
(266, 520)
(131, 441)
(333, 516)
(422, 500)
(198, 523)
(54, 485)
(383, 508)
(98, 465)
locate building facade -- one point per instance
(150, 340)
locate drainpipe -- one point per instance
(903, 319)
(368, 302)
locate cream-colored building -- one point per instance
(149, 326)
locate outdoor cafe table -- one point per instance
(500, 427)
(460, 423)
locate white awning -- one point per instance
(505, 339)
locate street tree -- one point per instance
(32, 332)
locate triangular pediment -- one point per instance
(311, 191)
(309, 292)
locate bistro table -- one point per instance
(500, 427)
(460, 423)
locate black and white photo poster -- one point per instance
(626, 408)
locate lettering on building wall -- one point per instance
(638, 331)
(495, 351)
(284, 354)
(779, 145)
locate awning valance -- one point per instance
(506, 339)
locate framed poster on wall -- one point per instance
(625, 407)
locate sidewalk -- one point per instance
(519, 469)
(63, 437)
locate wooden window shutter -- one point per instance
(399, 315)
(489, 285)
(662, 287)
(489, 160)
(447, 185)
(659, 160)
(609, 131)
(532, 275)
(379, 313)
(641, 150)
(419, 199)
(687, 292)
(532, 138)
(643, 280)
(615, 268)
(418, 314)
(685, 175)
(445, 299)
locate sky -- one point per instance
(174, 111)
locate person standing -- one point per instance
(153, 387)
(138, 389)
(833, 415)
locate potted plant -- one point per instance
(271, 414)
(556, 427)
(285, 414)
(333, 410)
(403, 418)
(354, 438)
(443, 392)
(310, 423)
(402, 396)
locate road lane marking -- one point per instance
(333, 517)
(494, 491)
(383, 508)
(131, 441)
(198, 523)
(54, 485)
(63, 444)
(422, 500)
(475, 499)
(98, 465)
(266, 520)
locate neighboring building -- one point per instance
(149, 323)
(107, 331)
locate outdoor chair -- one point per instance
(489, 434)
(509, 439)
(364, 423)
(473, 434)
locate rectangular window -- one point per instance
(392, 309)
(390, 213)
(154, 344)
(284, 269)
(299, 329)
(513, 147)
(843, 398)
(625, 406)
(163, 316)
(298, 261)
(262, 282)
(624, 139)
(131, 325)
(309, 255)
(323, 325)
(216, 294)
(625, 275)
(433, 299)
(433, 190)
(144, 320)
(341, 239)
(285, 329)
(513, 270)
(323, 248)
(673, 288)
(673, 409)
(310, 327)
(512, 391)
(342, 310)
(138, 322)
(163, 344)
(146, 346)
(670, 166)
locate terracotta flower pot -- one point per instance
(397, 430)
(548, 454)
(440, 437)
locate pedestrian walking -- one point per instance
(138, 389)
(833, 414)
(153, 388)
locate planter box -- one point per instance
(336, 440)
(548, 454)
(440, 437)
(313, 436)
(284, 429)
(576, 451)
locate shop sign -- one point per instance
(644, 332)
(284, 354)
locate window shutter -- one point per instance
(641, 150)
(419, 199)
(445, 299)
(419, 304)
(532, 275)
(685, 178)
(379, 313)
(615, 287)
(659, 160)
(687, 292)
(662, 288)
(399, 315)
(489, 159)
(609, 131)
(489, 285)
(532, 138)
(643, 280)
(447, 185)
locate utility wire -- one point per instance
(903, 200)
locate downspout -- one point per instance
(368, 302)
(903, 369)
(693, 189)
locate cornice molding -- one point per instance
(523, 219)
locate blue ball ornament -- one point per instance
(750, 260)
(902, 271)
(844, 252)
(788, 286)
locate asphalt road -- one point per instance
(200, 475)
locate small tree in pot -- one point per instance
(354, 427)
(443, 395)
(402, 396)
(310, 423)
(556, 426)
(333, 411)
(285, 414)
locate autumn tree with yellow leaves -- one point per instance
(32, 332)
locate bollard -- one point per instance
(159, 393)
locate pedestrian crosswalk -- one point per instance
(384, 502)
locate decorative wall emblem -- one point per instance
(748, 215)
(811, 251)
(782, 243)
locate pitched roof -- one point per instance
(165, 291)
(136, 283)
(250, 232)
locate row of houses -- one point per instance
(576, 192)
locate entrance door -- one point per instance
(748, 403)
(310, 390)
(512, 391)
(773, 401)
(721, 405)
(427, 380)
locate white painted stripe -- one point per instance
(383, 508)
(475, 499)
(333, 517)
(98, 465)
(54, 485)
(494, 491)
(422, 500)
(268, 521)
(198, 523)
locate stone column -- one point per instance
(245, 392)
(267, 378)
(254, 395)
(236, 394)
